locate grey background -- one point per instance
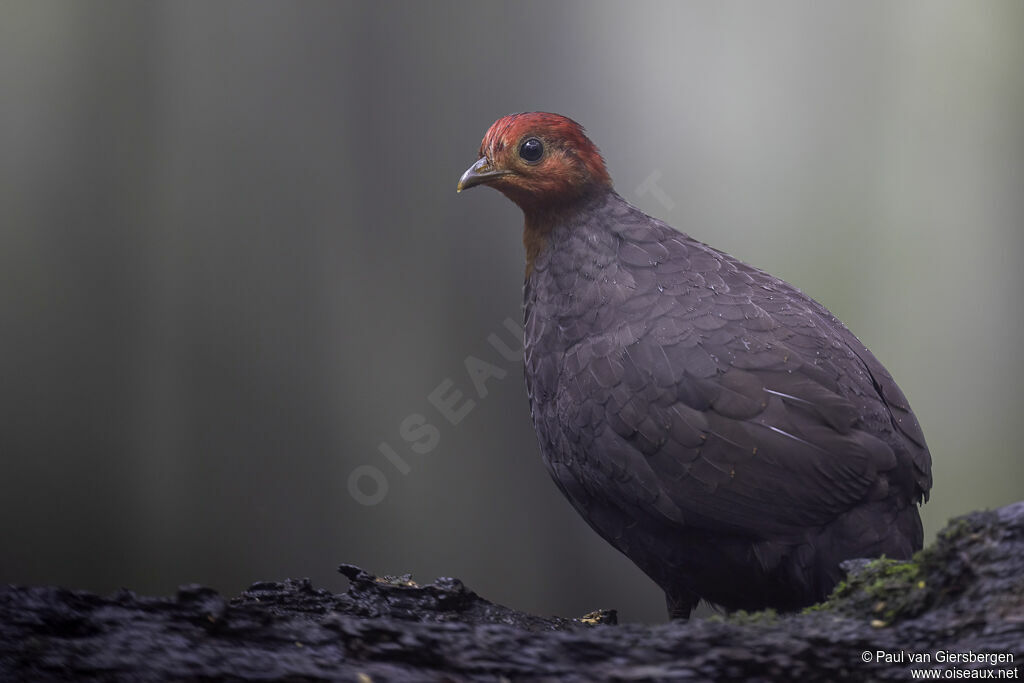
(234, 262)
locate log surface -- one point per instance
(964, 594)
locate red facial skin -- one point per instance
(570, 168)
(570, 165)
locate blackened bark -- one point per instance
(963, 594)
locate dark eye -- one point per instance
(531, 150)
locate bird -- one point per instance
(712, 422)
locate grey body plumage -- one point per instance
(711, 421)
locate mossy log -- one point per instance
(962, 598)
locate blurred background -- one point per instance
(234, 266)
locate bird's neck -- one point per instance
(571, 265)
(542, 220)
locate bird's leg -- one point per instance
(680, 604)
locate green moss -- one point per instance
(745, 618)
(884, 590)
(817, 607)
(955, 529)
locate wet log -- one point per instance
(959, 603)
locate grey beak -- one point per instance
(479, 173)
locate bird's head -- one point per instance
(538, 160)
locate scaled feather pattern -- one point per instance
(712, 422)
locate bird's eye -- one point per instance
(531, 150)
